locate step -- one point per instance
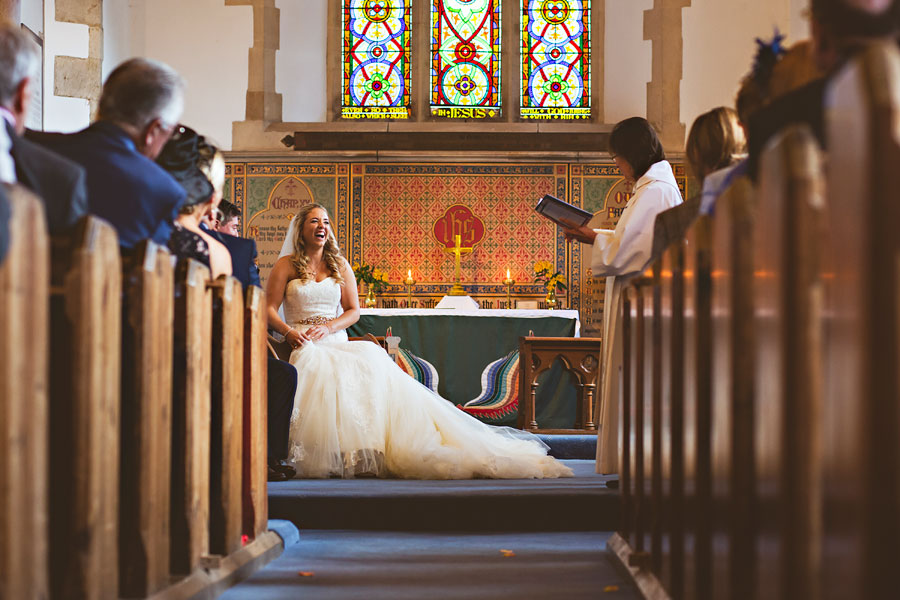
(580, 503)
(571, 446)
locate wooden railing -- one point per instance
(133, 419)
(760, 449)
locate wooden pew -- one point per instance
(24, 350)
(146, 426)
(191, 390)
(84, 412)
(226, 469)
(787, 307)
(861, 406)
(255, 411)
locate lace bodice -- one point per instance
(311, 299)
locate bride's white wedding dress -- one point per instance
(356, 413)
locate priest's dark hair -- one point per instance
(636, 141)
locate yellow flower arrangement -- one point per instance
(374, 277)
(542, 274)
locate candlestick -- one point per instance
(409, 283)
(508, 282)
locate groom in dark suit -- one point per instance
(243, 250)
(59, 183)
(140, 105)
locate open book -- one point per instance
(559, 211)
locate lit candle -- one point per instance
(507, 274)
(409, 273)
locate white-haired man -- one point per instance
(59, 183)
(140, 105)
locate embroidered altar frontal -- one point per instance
(403, 218)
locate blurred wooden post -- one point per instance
(862, 358)
(24, 316)
(226, 416)
(146, 425)
(255, 421)
(84, 412)
(190, 417)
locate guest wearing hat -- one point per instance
(179, 158)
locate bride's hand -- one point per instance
(295, 338)
(318, 332)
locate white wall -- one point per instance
(719, 47)
(300, 63)
(629, 60)
(63, 39)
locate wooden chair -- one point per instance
(579, 356)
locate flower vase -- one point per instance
(551, 298)
(371, 300)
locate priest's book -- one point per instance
(562, 213)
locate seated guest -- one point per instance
(180, 157)
(5, 216)
(627, 250)
(140, 106)
(231, 219)
(840, 29)
(243, 250)
(58, 182)
(714, 148)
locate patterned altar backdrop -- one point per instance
(402, 217)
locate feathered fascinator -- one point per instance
(767, 56)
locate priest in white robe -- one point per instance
(625, 251)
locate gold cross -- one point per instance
(457, 250)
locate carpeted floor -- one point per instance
(402, 565)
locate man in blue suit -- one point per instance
(140, 105)
(243, 250)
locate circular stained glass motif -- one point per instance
(555, 11)
(466, 84)
(465, 51)
(377, 11)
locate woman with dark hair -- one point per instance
(639, 155)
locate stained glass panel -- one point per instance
(375, 56)
(465, 58)
(556, 59)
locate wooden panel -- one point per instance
(732, 395)
(146, 427)
(655, 430)
(255, 498)
(24, 316)
(226, 416)
(672, 418)
(84, 404)
(192, 354)
(787, 304)
(862, 501)
(626, 441)
(698, 411)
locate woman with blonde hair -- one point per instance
(356, 412)
(715, 145)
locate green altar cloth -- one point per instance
(460, 344)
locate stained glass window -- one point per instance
(556, 59)
(465, 58)
(376, 59)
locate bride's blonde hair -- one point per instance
(332, 256)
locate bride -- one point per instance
(356, 412)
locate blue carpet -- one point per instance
(571, 446)
(374, 565)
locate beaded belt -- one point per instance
(317, 320)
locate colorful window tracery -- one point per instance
(376, 55)
(465, 58)
(556, 59)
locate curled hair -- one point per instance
(141, 90)
(715, 141)
(300, 261)
(636, 141)
(19, 60)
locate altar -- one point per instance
(460, 344)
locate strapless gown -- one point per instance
(358, 413)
